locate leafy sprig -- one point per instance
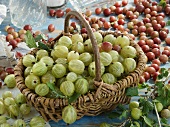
(58, 94)
(162, 3)
(31, 41)
(56, 91)
(168, 23)
(157, 93)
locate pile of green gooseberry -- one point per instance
(15, 108)
(70, 65)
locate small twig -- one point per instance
(123, 124)
(157, 115)
(167, 78)
(152, 93)
(167, 125)
(162, 80)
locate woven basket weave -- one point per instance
(106, 97)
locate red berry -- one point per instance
(18, 55)
(146, 75)
(98, 11)
(156, 61)
(83, 30)
(107, 12)
(27, 27)
(150, 70)
(155, 75)
(9, 70)
(59, 13)
(13, 43)
(106, 46)
(73, 24)
(150, 55)
(9, 37)
(52, 12)
(10, 30)
(51, 28)
(156, 66)
(141, 79)
(68, 10)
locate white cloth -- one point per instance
(3, 11)
(7, 57)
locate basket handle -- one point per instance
(90, 35)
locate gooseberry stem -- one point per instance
(123, 124)
(157, 115)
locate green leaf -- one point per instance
(51, 86)
(164, 120)
(29, 39)
(165, 74)
(55, 90)
(162, 3)
(74, 97)
(143, 85)
(41, 36)
(121, 107)
(41, 45)
(59, 93)
(146, 105)
(159, 84)
(160, 76)
(148, 121)
(163, 69)
(156, 101)
(132, 91)
(164, 100)
(132, 125)
(157, 125)
(124, 114)
(149, 105)
(128, 124)
(168, 93)
(113, 115)
(168, 23)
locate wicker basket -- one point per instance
(106, 97)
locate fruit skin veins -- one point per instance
(2, 108)
(76, 66)
(42, 89)
(136, 113)
(137, 124)
(2, 119)
(104, 125)
(28, 60)
(81, 86)
(165, 113)
(133, 104)
(19, 122)
(37, 121)
(10, 81)
(159, 106)
(39, 68)
(67, 88)
(106, 46)
(31, 81)
(69, 114)
(58, 70)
